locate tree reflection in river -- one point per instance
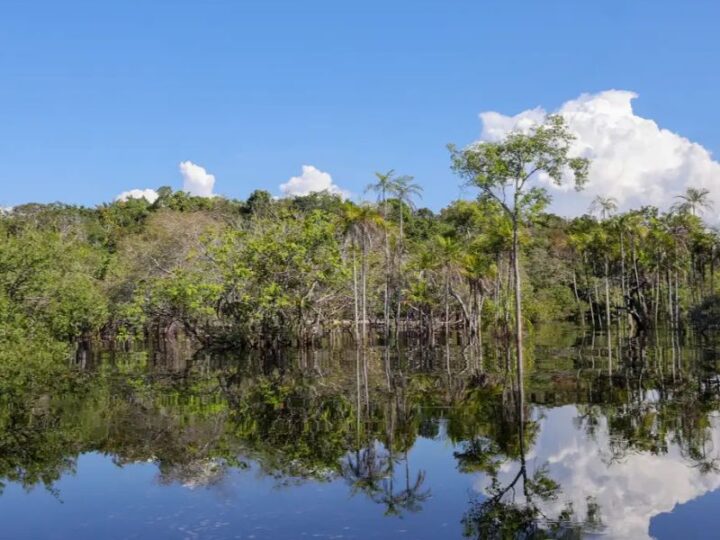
(562, 464)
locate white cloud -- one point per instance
(196, 180)
(148, 194)
(633, 159)
(310, 181)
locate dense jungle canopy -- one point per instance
(266, 272)
(269, 272)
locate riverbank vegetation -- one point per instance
(268, 272)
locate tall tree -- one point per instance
(603, 207)
(360, 224)
(385, 185)
(694, 199)
(406, 190)
(505, 171)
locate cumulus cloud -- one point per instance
(633, 159)
(196, 180)
(310, 181)
(629, 492)
(148, 194)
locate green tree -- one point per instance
(604, 207)
(505, 171)
(694, 199)
(406, 192)
(360, 225)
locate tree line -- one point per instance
(268, 272)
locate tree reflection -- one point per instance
(364, 470)
(355, 417)
(371, 470)
(512, 509)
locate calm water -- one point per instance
(400, 443)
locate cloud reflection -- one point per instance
(629, 491)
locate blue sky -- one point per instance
(100, 97)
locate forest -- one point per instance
(270, 273)
(317, 338)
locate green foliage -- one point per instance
(508, 165)
(271, 271)
(53, 281)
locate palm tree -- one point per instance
(365, 470)
(604, 207)
(408, 499)
(385, 185)
(405, 190)
(693, 200)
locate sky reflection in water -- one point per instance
(632, 455)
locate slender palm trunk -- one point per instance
(656, 307)
(364, 290)
(622, 271)
(401, 224)
(518, 312)
(447, 307)
(581, 313)
(712, 269)
(641, 296)
(399, 282)
(479, 333)
(677, 301)
(355, 295)
(386, 303)
(597, 300)
(671, 311)
(607, 300)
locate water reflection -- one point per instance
(608, 436)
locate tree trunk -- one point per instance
(364, 291)
(577, 301)
(656, 307)
(355, 295)
(447, 307)
(479, 332)
(597, 299)
(518, 311)
(671, 311)
(712, 269)
(401, 226)
(386, 299)
(386, 304)
(622, 264)
(607, 300)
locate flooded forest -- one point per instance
(315, 367)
